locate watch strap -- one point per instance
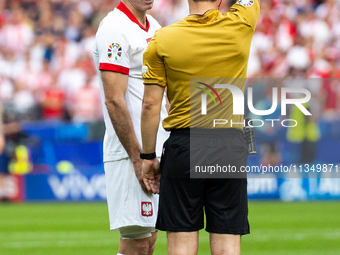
(148, 156)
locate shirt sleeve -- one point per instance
(113, 49)
(153, 65)
(247, 10)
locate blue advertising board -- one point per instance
(65, 165)
(75, 186)
(293, 189)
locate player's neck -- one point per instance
(201, 7)
(140, 16)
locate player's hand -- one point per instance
(151, 175)
(137, 165)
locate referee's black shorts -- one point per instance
(183, 199)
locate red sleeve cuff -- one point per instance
(113, 68)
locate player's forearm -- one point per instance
(122, 123)
(149, 125)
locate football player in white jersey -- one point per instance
(121, 40)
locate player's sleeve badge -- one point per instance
(114, 51)
(246, 3)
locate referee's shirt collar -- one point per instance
(208, 17)
(129, 14)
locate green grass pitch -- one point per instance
(308, 228)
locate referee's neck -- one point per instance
(199, 8)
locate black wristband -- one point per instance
(148, 155)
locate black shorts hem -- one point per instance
(179, 229)
(228, 231)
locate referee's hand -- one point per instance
(151, 176)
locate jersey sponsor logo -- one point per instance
(246, 3)
(147, 210)
(114, 51)
(144, 69)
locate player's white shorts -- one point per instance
(128, 204)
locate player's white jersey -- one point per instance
(120, 43)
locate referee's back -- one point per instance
(212, 45)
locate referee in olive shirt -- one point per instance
(206, 44)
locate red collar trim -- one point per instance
(128, 13)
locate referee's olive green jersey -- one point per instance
(213, 45)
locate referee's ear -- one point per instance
(219, 4)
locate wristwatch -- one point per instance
(148, 156)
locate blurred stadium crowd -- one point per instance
(46, 69)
